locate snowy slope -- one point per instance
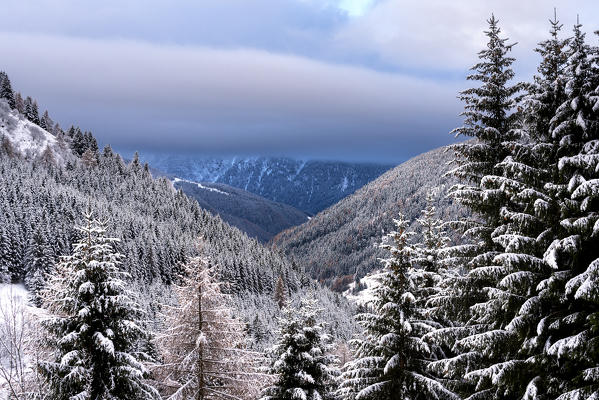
(28, 139)
(342, 240)
(366, 295)
(310, 186)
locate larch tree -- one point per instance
(203, 347)
(280, 295)
(391, 358)
(303, 366)
(94, 325)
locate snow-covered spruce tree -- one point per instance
(490, 122)
(93, 325)
(202, 345)
(510, 354)
(280, 295)
(568, 330)
(303, 366)
(506, 317)
(428, 259)
(6, 260)
(391, 358)
(430, 274)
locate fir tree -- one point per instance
(93, 326)
(303, 367)
(391, 359)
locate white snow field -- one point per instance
(27, 138)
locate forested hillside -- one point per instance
(342, 240)
(45, 192)
(258, 217)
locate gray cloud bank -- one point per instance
(241, 101)
(291, 77)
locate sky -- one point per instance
(355, 80)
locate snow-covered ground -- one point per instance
(27, 138)
(364, 296)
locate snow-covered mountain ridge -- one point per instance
(309, 185)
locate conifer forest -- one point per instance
(470, 272)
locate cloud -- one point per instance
(238, 100)
(331, 78)
(443, 36)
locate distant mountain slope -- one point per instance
(29, 140)
(310, 186)
(342, 240)
(256, 216)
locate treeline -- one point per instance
(79, 141)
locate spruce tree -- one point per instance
(490, 122)
(93, 325)
(513, 307)
(5, 257)
(391, 360)
(35, 112)
(302, 366)
(78, 143)
(569, 331)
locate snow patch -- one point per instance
(199, 185)
(364, 296)
(344, 184)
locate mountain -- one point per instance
(342, 240)
(256, 216)
(158, 227)
(310, 186)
